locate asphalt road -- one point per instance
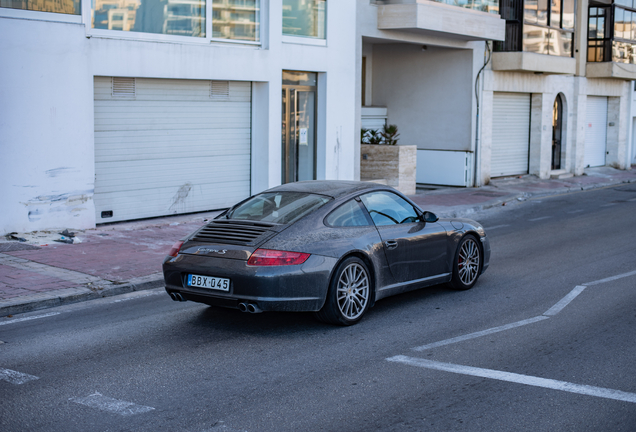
(544, 342)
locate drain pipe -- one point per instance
(487, 55)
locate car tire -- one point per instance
(349, 294)
(466, 264)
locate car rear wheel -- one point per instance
(467, 264)
(348, 295)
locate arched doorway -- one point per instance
(557, 132)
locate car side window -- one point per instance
(387, 208)
(347, 215)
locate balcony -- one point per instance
(472, 21)
(611, 43)
(539, 37)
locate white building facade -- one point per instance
(558, 93)
(420, 63)
(488, 89)
(123, 109)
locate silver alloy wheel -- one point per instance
(353, 291)
(468, 261)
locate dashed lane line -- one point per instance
(496, 226)
(15, 377)
(479, 333)
(517, 378)
(561, 304)
(16, 320)
(612, 278)
(539, 218)
(558, 307)
(108, 404)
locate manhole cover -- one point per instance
(15, 246)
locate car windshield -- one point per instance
(277, 207)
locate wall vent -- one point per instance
(123, 87)
(220, 90)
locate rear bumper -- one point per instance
(272, 288)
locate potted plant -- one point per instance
(382, 160)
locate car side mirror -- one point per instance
(428, 216)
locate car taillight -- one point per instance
(175, 249)
(268, 257)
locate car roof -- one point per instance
(332, 188)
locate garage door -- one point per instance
(510, 134)
(170, 146)
(595, 131)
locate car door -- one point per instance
(414, 249)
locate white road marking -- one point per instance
(608, 205)
(564, 301)
(28, 318)
(496, 226)
(576, 211)
(15, 377)
(558, 307)
(539, 218)
(111, 405)
(612, 278)
(480, 333)
(518, 378)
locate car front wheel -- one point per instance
(348, 295)
(467, 264)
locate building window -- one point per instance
(539, 26)
(612, 43)
(171, 17)
(71, 7)
(305, 18)
(236, 20)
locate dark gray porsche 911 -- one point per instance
(331, 247)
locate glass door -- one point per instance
(299, 126)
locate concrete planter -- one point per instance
(394, 164)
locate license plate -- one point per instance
(210, 282)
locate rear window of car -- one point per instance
(347, 215)
(277, 207)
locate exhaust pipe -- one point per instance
(242, 307)
(177, 297)
(252, 308)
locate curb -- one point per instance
(75, 295)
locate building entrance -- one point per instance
(557, 132)
(299, 126)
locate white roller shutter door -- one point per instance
(595, 131)
(170, 146)
(510, 134)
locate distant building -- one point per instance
(552, 99)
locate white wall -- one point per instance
(46, 126)
(429, 94)
(46, 115)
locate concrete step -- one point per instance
(560, 174)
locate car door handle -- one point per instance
(391, 244)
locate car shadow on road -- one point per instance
(289, 324)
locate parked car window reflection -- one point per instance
(277, 207)
(348, 215)
(387, 208)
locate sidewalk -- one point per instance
(125, 257)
